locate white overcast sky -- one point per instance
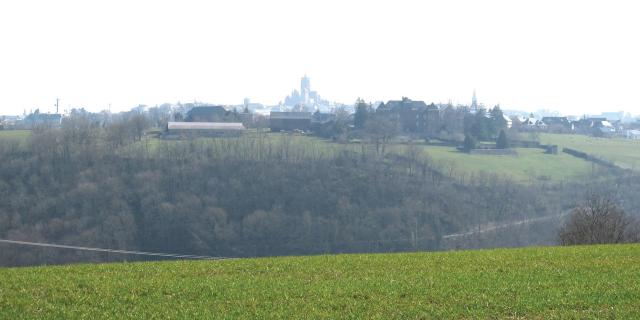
(573, 56)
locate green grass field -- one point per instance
(624, 152)
(530, 165)
(532, 283)
(15, 135)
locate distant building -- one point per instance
(407, 111)
(206, 114)
(606, 127)
(558, 124)
(474, 103)
(193, 129)
(596, 126)
(9, 121)
(289, 121)
(43, 119)
(533, 122)
(633, 134)
(508, 122)
(430, 121)
(305, 96)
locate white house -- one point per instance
(633, 134)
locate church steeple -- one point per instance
(474, 101)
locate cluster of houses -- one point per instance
(414, 117)
(596, 126)
(34, 119)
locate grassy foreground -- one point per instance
(543, 283)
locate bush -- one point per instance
(598, 221)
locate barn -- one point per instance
(289, 121)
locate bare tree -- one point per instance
(599, 220)
(380, 130)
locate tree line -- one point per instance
(85, 185)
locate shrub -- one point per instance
(598, 221)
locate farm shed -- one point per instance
(289, 121)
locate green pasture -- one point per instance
(587, 282)
(530, 165)
(14, 135)
(623, 152)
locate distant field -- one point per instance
(625, 153)
(529, 165)
(16, 135)
(309, 145)
(531, 283)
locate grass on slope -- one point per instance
(309, 145)
(530, 165)
(543, 283)
(624, 152)
(14, 135)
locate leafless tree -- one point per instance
(380, 130)
(599, 220)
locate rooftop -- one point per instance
(290, 115)
(205, 126)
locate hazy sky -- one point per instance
(574, 56)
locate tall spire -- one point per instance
(474, 101)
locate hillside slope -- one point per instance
(554, 282)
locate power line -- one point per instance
(141, 253)
(482, 229)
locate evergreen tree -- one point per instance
(361, 115)
(480, 127)
(497, 120)
(502, 142)
(469, 143)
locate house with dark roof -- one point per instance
(207, 114)
(289, 121)
(595, 126)
(558, 124)
(407, 111)
(430, 120)
(43, 119)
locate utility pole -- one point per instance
(57, 105)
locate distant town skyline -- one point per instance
(576, 57)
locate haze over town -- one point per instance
(319, 159)
(577, 57)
